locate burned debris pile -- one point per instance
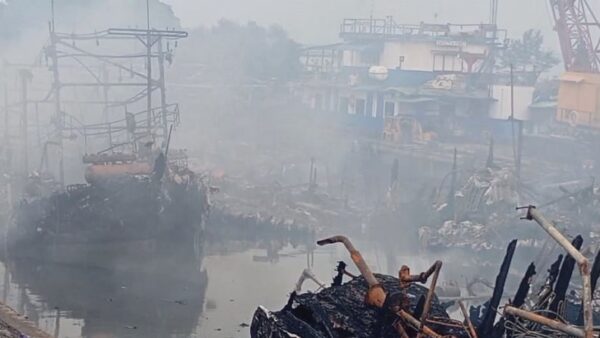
(340, 311)
(367, 306)
(374, 305)
(473, 209)
(268, 200)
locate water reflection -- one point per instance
(148, 289)
(170, 290)
(157, 295)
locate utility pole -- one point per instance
(149, 70)
(517, 148)
(162, 87)
(452, 192)
(25, 76)
(7, 152)
(106, 110)
(494, 12)
(56, 86)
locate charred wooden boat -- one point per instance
(125, 206)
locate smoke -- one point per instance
(314, 21)
(25, 24)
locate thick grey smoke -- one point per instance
(315, 21)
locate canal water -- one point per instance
(170, 294)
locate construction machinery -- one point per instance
(578, 30)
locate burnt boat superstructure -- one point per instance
(111, 105)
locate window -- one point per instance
(390, 108)
(379, 110)
(360, 106)
(400, 61)
(344, 103)
(444, 62)
(318, 102)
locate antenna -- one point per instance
(494, 12)
(147, 14)
(52, 15)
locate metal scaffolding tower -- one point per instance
(94, 55)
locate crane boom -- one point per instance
(575, 22)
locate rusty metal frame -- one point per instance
(584, 270)
(308, 274)
(376, 295)
(554, 324)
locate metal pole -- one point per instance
(568, 329)
(437, 266)
(357, 258)
(376, 295)
(24, 122)
(57, 105)
(6, 130)
(57, 324)
(308, 274)
(463, 309)
(512, 117)
(38, 125)
(162, 86)
(106, 110)
(582, 261)
(519, 150)
(534, 214)
(148, 70)
(417, 324)
(52, 15)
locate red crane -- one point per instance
(578, 29)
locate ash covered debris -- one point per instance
(473, 209)
(340, 310)
(371, 305)
(374, 305)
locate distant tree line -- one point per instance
(528, 54)
(241, 53)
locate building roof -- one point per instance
(543, 105)
(373, 28)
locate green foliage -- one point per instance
(234, 53)
(528, 54)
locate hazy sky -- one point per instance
(317, 21)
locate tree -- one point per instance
(528, 54)
(234, 53)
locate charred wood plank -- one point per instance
(564, 278)
(523, 289)
(518, 301)
(595, 272)
(485, 328)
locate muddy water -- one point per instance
(173, 295)
(211, 296)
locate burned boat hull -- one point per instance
(115, 216)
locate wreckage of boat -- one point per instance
(374, 305)
(127, 203)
